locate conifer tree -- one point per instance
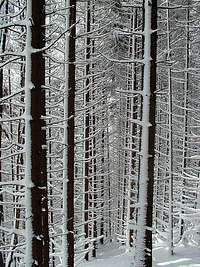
(37, 233)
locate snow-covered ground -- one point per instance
(115, 256)
(183, 256)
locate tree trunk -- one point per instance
(71, 133)
(3, 47)
(152, 112)
(170, 147)
(144, 231)
(185, 123)
(87, 130)
(37, 237)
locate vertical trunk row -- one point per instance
(151, 149)
(87, 131)
(71, 133)
(3, 47)
(65, 153)
(144, 229)
(133, 132)
(37, 237)
(170, 134)
(185, 122)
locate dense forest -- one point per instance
(99, 129)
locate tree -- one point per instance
(71, 133)
(87, 129)
(144, 223)
(37, 235)
(3, 47)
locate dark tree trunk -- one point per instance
(39, 202)
(149, 217)
(3, 47)
(186, 93)
(87, 129)
(71, 133)
(102, 186)
(94, 192)
(134, 104)
(94, 161)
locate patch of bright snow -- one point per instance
(183, 256)
(114, 255)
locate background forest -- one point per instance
(99, 129)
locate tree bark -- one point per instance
(146, 182)
(71, 133)
(37, 236)
(152, 112)
(3, 47)
(87, 130)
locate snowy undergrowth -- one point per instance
(114, 255)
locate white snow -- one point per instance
(114, 255)
(184, 256)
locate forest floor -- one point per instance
(116, 256)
